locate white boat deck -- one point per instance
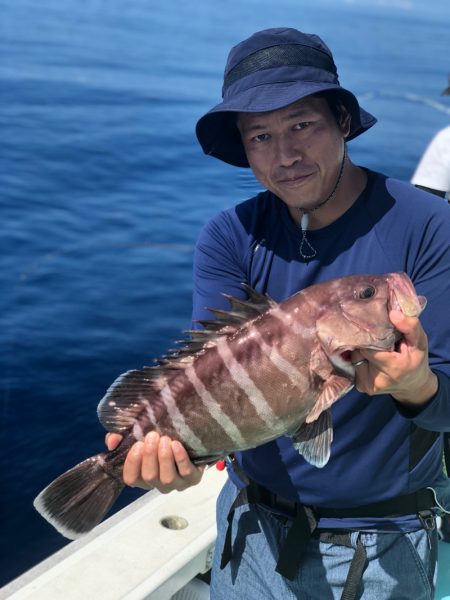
(134, 556)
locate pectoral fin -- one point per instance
(334, 388)
(313, 440)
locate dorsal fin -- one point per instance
(124, 399)
(241, 311)
(261, 302)
(227, 322)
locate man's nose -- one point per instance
(287, 153)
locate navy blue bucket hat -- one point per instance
(270, 70)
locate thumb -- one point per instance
(409, 326)
(112, 440)
(401, 321)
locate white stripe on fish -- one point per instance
(241, 377)
(288, 319)
(149, 410)
(184, 431)
(139, 429)
(284, 366)
(214, 408)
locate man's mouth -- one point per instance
(294, 181)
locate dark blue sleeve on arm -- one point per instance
(435, 415)
(218, 267)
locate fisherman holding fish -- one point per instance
(343, 504)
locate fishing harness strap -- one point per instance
(304, 521)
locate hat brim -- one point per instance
(219, 137)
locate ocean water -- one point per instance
(104, 189)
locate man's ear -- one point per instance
(345, 120)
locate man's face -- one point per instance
(296, 151)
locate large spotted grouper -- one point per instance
(252, 374)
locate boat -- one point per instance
(160, 547)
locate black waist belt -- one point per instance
(409, 504)
(304, 526)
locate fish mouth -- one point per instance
(386, 344)
(346, 355)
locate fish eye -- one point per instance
(368, 292)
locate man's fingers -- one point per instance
(184, 464)
(112, 440)
(158, 462)
(409, 326)
(398, 319)
(133, 465)
(167, 467)
(150, 464)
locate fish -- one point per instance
(247, 376)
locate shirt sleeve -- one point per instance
(435, 415)
(219, 260)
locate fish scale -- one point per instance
(254, 373)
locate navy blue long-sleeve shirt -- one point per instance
(379, 450)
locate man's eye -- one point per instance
(262, 137)
(302, 125)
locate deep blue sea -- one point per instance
(103, 190)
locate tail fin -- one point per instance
(77, 500)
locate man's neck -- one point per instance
(354, 180)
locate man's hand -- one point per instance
(404, 373)
(157, 462)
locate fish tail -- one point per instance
(76, 501)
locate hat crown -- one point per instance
(273, 37)
(269, 55)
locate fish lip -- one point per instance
(403, 297)
(387, 344)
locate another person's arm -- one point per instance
(432, 173)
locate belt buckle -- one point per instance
(427, 519)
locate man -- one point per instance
(433, 171)
(286, 116)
